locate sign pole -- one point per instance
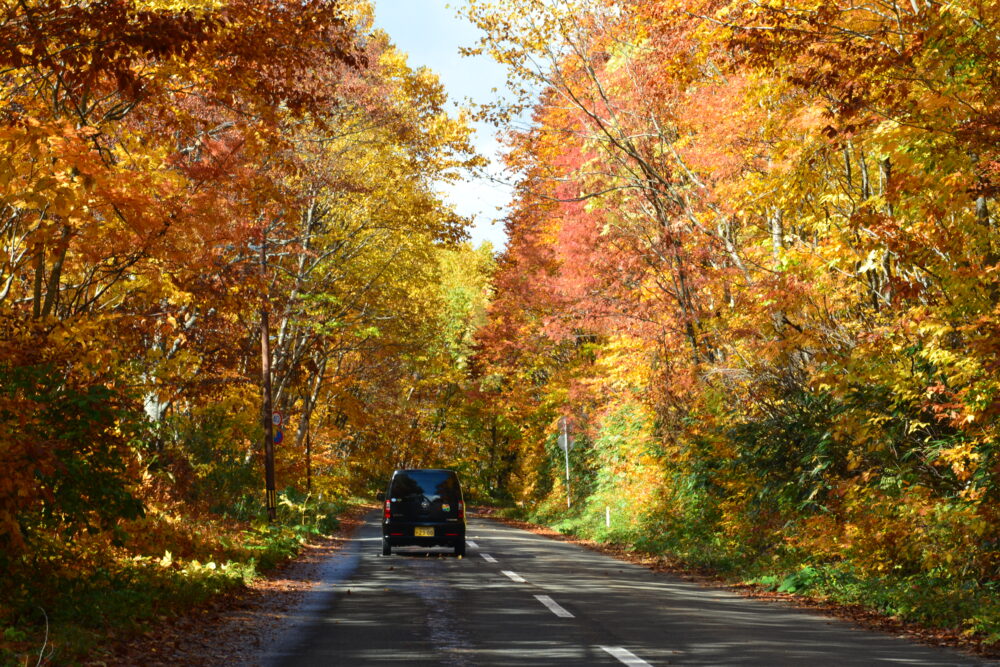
(564, 441)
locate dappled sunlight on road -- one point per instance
(519, 599)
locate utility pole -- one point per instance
(265, 374)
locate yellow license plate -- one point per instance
(423, 532)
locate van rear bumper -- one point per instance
(399, 534)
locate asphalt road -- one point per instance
(519, 599)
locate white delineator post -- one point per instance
(565, 444)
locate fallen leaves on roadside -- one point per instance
(235, 628)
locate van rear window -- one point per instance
(431, 483)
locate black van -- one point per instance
(424, 508)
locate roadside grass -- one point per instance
(965, 608)
(970, 608)
(60, 605)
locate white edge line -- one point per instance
(554, 607)
(514, 576)
(489, 558)
(625, 656)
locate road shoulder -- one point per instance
(240, 627)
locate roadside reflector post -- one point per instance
(607, 516)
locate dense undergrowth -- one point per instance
(929, 570)
(66, 599)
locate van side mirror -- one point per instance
(381, 496)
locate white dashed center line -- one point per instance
(625, 656)
(560, 612)
(472, 544)
(489, 558)
(514, 576)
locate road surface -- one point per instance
(519, 599)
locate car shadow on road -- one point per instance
(403, 552)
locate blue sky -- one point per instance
(431, 32)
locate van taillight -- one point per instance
(461, 510)
(387, 512)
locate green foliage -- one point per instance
(210, 443)
(921, 598)
(307, 514)
(68, 443)
(799, 582)
(790, 452)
